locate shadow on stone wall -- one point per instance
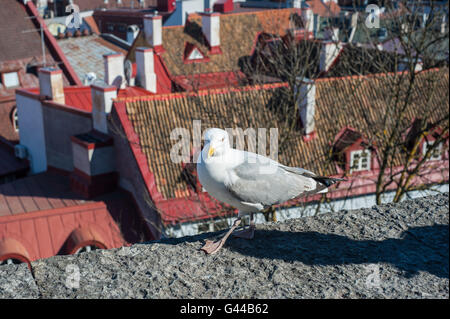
(419, 249)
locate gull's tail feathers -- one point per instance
(327, 181)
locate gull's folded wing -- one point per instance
(267, 184)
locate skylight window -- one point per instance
(360, 160)
(10, 79)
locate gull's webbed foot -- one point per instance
(211, 247)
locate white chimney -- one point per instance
(153, 31)
(211, 30)
(329, 51)
(146, 75)
(114, 70)
(102, 101)
(305, 91)
(51, 84)
(308, 19)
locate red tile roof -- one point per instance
(208, 80)
(329, 9)
(238, 33)
(149, 121)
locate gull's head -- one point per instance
(216, 143)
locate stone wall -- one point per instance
(390, 251)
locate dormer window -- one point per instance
(360, 160)
(10, 79)
(436, 153)
(15, 120)
(192, 54)
(195, 55)
(352, 152)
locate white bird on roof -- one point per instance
(250, 182)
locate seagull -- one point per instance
(250, 182)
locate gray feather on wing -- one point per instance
(256, 184)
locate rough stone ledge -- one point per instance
(389, 251)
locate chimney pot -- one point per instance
(211, 31)
(146, 75)
(153, 31)
(102, 101)
(308, 19)
(51, 84)
(114, 70)
(306, 102)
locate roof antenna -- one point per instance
(41, 29)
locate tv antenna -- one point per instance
(41, 29)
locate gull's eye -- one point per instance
(223, 139)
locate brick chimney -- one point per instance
(211, 31)
(94, 166)
(102, 100)
(51, 84)
(93, 152)
(114, 70)
(305, 91)
(165, 5)
(153, 31)
(146, 75)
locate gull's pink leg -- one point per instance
(248, 233)
(211, 247)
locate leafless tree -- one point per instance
(409, 103)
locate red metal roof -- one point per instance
(13, 249)
(42, 214)
(79, 97)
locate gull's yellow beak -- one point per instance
(210, 151)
